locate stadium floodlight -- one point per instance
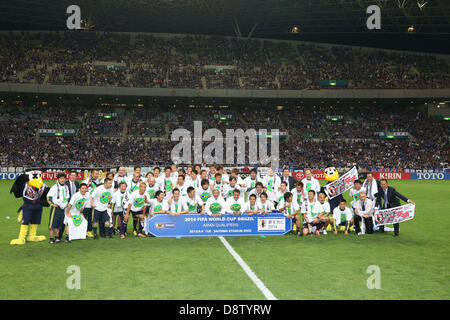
(421, 4)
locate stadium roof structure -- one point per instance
(262, 18)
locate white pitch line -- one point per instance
(266, 292)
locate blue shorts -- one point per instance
(31, 214)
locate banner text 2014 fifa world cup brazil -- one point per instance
(198, 225)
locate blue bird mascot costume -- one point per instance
(30, 187)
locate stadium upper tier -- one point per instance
(315, 136)
(149, 61)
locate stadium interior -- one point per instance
(110, 93)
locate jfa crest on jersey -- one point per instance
(32, 193)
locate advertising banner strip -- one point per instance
(393, 215)
(9, 176)
(53, 175)
(392, 175)
(198, 225)
(342, 184)
(430, 176)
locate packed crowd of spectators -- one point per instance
(138, 60)
(313, 138)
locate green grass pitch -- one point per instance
(413, 266)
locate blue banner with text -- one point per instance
(198, 225)
(430, 175)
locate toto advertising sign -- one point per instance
(431, 175)
(8, 176)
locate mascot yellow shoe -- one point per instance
(22, 235)
(33, 236)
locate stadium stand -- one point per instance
(142, 135)
(149, 61)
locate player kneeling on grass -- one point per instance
(58, 198)
(252, 207)
(311, 215)
(236, 203)
(290, 210)
(136, 205)
(193, 201)
(342, 216)
(265, 204)
(74, 210)
(158, 205)
(101, 202)
(215, 206)
(177, 205)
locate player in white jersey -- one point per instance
(177, 205)
(342, 216)
(156, 173)
(58, 198)
(121, 175)
(212, 172)
(225, 178)
(92, 182)
(252, 207)
(76, 206)
(137, 203)
(310, 183)
(257, 190)
(110, 175)
(251, 180)
(311, 215)
(187, 176)
(100, 202)
(204, 192)
(193, 181)
(118, 206)
(174, 171)
(239, 180)
(271, 182)
(158, 205)
(193, 201)
(115, 185)
(133, 183)
(167, 182)
(230, 187)
(235, 204)
(299, 193)
(215, 206)
(138, 170)
(354, 192)
(280, 193)
(265, 204)
(289, 207)
(182, 185)
(152, 187)
(324, 211)
(132, 186)
(218, 184)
